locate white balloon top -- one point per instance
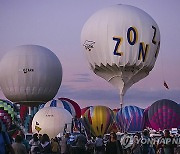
(121, 43)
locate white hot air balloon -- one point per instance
(31, 75)
(121, 43)
(52, 121)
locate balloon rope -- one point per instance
(121, 106)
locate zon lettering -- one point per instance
(132, 37)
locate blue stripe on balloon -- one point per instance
(53, 103)
(66, 106)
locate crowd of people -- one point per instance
(142, 143)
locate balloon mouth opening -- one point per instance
(30, 103)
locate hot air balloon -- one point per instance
(114, 127)
(83, 110)
(67, 104)
(146, 119)
(121, 43)
(164, 114)
(26, 118)
(97, 120)
(7, 113)
(130, 118)
(31, 75)
(52, 121)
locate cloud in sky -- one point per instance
(109, 97)
(81, 77)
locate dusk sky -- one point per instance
(57, 25)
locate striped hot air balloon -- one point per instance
(97, 120)
(67, 104)
(130, 118)
(26, 118)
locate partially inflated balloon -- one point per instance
(7, 113)
(26, 118)
(67, 104)
(121, 43)
(130, 118)
(97, 120)
(146, 118)
(31, 75)
(52, 121)
(164, 114)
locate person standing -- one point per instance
(5, 143)
(63, 143)
(45, 146)
(34, 143)
(18, 147)
(168, 144)
(99, 145)
(81, 143)
(114, 145)
(55, 146)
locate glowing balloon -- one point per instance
(31, 75)
(164, 114)
(121, 43)
(52, 121)
(67, 104)
(97, 120)
(130, 118)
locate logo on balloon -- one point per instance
(89, 45)
(25, 70)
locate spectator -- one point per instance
(5, 144)
(34, 143)
(45, 146)
(99, 145)
(55, 146)
(136, 147)
(64, 149)
(168, 145)
(25, 142)
(80, 143)
(18, 147)
(114, 145)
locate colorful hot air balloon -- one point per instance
(114, 127)
(121, 43)
(7, 113)
(26, 118)
(146, 119)
(164, 114)
(52, 121)
(31, 75)
(130, 118)
(97, 120)
(67, 104)
(83, 110)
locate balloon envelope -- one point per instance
(26, 118)
(52, 121)
(31, 75)
(67, 104)
(164, 114)
(121, 43)
(7, 113)
(130, 118)
(97, 120)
